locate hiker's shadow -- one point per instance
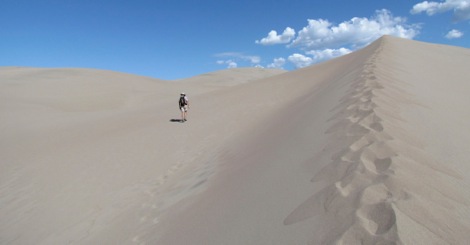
(176, 120)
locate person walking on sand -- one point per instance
(184, 106)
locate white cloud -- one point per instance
(326, 54)
(229, 63)
(233, 58)
(232, 64)
(357, 32)
(430, 8)
(454, 34)
(300, 60)
(461, 8)
(254, 59)
(322, 40)
(274, 38)
(277, 63)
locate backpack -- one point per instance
(182, 101)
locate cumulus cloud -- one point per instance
(229, 63)
(357, 32)
(321, 39)
(232, 64)
(454, 34)
(274, 38)
(277, 63)
(326, 54)
(461, 8)
(233, 58)
(300, 60)
(315, 56)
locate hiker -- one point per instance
(184, 106)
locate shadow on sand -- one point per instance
(176, 120)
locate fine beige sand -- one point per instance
(368, 148)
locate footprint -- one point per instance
(375, 194)
(378, 218)
(383, 164)
(376, 126)
(361, 143)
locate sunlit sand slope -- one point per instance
(368, 148)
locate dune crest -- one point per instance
(371, 182)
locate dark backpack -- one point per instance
(182, 101)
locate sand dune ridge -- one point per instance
(370, 179)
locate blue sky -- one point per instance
(173, 39)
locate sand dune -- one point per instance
(368, 148)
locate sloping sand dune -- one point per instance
(368, 148)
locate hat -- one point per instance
(183, 93)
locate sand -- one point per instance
(368, 148)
